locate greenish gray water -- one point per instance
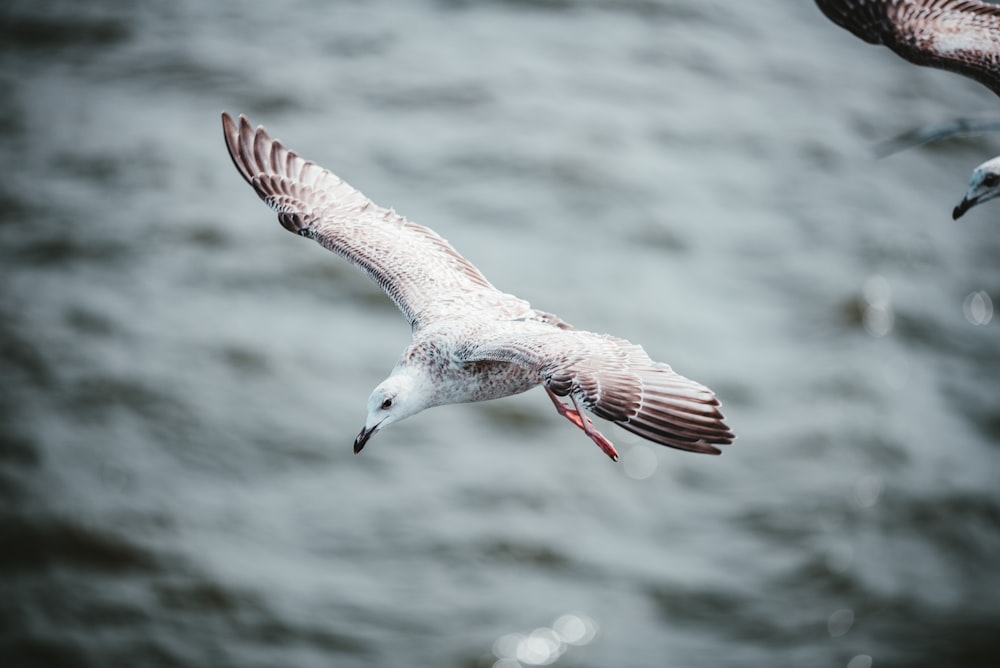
(182, 379)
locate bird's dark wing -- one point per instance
(960, 36)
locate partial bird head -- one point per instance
(984, 185)
(397, 397)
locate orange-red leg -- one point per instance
(576, 416)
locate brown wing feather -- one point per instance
(614, 379)
(649, 399)
(961, 36)
(418, 269)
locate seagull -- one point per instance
(932, 132)
(960, 36)
(984, 185)
(471, 342)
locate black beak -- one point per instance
(962, 207)
(363, 437)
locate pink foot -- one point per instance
(575, 416)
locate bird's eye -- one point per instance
(386, 403)
(990, 180)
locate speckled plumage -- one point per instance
(471, 342)
(960, 36)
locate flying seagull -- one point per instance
(471, 342)
(960, 36)
(932, 132)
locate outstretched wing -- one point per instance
(960, 36)
(420, 271)
(957, 127)
(615, 380)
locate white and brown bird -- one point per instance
(471, 342)
(960, 36)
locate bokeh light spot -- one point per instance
(544, 645)
(860, 661)
(876, 291)
(540, 648)
(505, 647)
(867, 491)
(978, 308)
(640, 462)
(877, 317)
(840, 622)
(575, 629)
(878, 320)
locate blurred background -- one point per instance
(181, 380)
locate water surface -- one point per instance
(182, 379)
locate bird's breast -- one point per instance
(484, 380)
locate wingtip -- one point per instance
(709, 448)
(239, 138)
(228, 124)
(234, 121)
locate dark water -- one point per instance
(182, 379)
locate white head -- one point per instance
(397, 397)
(984, 184)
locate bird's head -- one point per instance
(984, 185)
(397, 397)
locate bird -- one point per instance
(984, 185)
(470, 341)
(961, 36)
(932, 132)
